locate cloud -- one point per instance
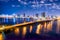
(51, 0)
(55, 6)
(58, 7)
(34, 2)
(42, 2)
(48, 4)
(33, 6)
(23, 2)
(15, 5)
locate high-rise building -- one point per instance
(43, 14)
(52, 16)
(37, 15)
(24, 15)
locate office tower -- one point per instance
(43, 14)
(52, 16)
(18, 15)
(37, 15)
(24, 15)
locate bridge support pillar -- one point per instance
(44, 28)
(47, 27)
(34, 27)
(29, 28)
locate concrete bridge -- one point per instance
(3, 28)
(34, 27)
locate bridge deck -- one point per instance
(22, 24)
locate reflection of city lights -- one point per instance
(58, 26)
(49, 27)
(16, 31)
(7, 18)
(45, 27)
(38, 29)
(1, 37)
(24, 31)
(30, 29)
(14, 20)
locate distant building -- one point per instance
(37, 15)
(43, 14)
(24, 15)
(52, 16)
(18, 15)
(27, 16)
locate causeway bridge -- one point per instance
(24, 24)
(31, 27)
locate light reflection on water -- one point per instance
(24, 30)
(45, 27)
(17, 31)
(49, 27)
(1, 37)
(38, 30)
(58, 27)
(30, 28)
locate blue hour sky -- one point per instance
(30, 7)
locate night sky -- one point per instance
(30, 7)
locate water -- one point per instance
(12, 21)
(32, 32)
